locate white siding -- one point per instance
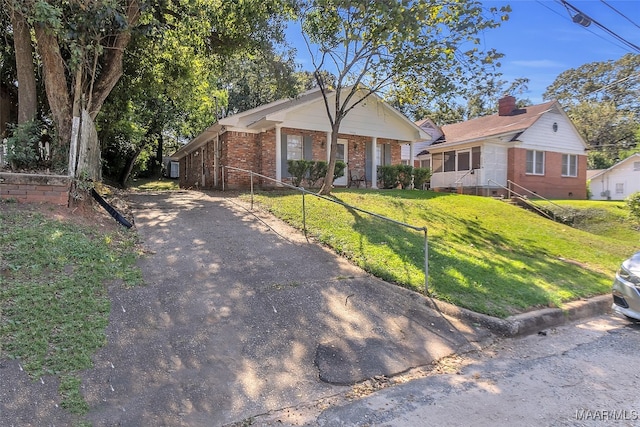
(540, 136)
(371, 118)
(604, 187)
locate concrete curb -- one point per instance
(530, 322)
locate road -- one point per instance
(583, 374)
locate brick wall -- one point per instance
(552, 184)
(28, 188)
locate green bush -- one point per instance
(22, 145)
(420, 176)
(388, 175)
(317, 171)
(339, 169)
(298, 169)
(405, 175)
(633, 203)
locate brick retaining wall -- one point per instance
(30, 188)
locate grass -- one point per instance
(53, 299)
(153, 184)
(484, 254)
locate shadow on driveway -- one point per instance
(240, 316)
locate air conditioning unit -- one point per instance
(605, 194)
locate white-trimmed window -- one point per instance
(294, 147)
(449, 161)
(620, 188)
(569, 165)
(535, 162)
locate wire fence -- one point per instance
(303, 191)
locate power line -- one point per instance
(620, 13)
(607, 30)
(564, 17)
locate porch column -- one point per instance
(374, 162)
(278, 153)
(411, 155)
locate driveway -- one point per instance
(240, 316)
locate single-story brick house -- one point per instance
(264, 138)
(618, 182)
(536, 148)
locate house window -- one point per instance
(294, 147)
(425, 163)
(636, 166)
(437, 162)
(464, 160)
(569, 165)
(383, 154)
(535, 162)
(620, 188)
(449, 161)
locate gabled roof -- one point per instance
(269, 115)
(635, 157)
(496, 125)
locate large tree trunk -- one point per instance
(27, 93)
(55, 84)
(327, 185)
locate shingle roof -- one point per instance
(494, 125)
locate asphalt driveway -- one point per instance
(240, 315)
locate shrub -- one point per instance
(298, 169)
(405, 177)
(317, 171)
(633, 203)
(420, 176)
(339, 169)
(389, 176)
(22, 145)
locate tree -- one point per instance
(603, 101)
(371, 46)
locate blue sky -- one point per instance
(540, 41)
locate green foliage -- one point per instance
(420, 176)
(388, 174)
(405, 175)
(72, 399)
(22, 145)
(317, 171)
(298, 169)
(633, 203)
(477, 260)
(339, 169)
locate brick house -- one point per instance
(264, 138)
(536, 148)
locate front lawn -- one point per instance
(484, 254)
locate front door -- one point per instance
(342, 154)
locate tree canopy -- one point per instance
(603, 100)
(414, 47)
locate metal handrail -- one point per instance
(524, 198)
(459, 180)
(562, 208)
(304, 215)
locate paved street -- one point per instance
(584, 374)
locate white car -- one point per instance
(626, 288)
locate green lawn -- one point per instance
(484, 254)
(54, 306)
(153, 184)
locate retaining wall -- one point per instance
(34, 188)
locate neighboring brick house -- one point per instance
(618, 182)
(536, 148)
(264, 138)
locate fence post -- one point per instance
(251, 178)
(304, 214)
(426, 262)
(223, 178)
